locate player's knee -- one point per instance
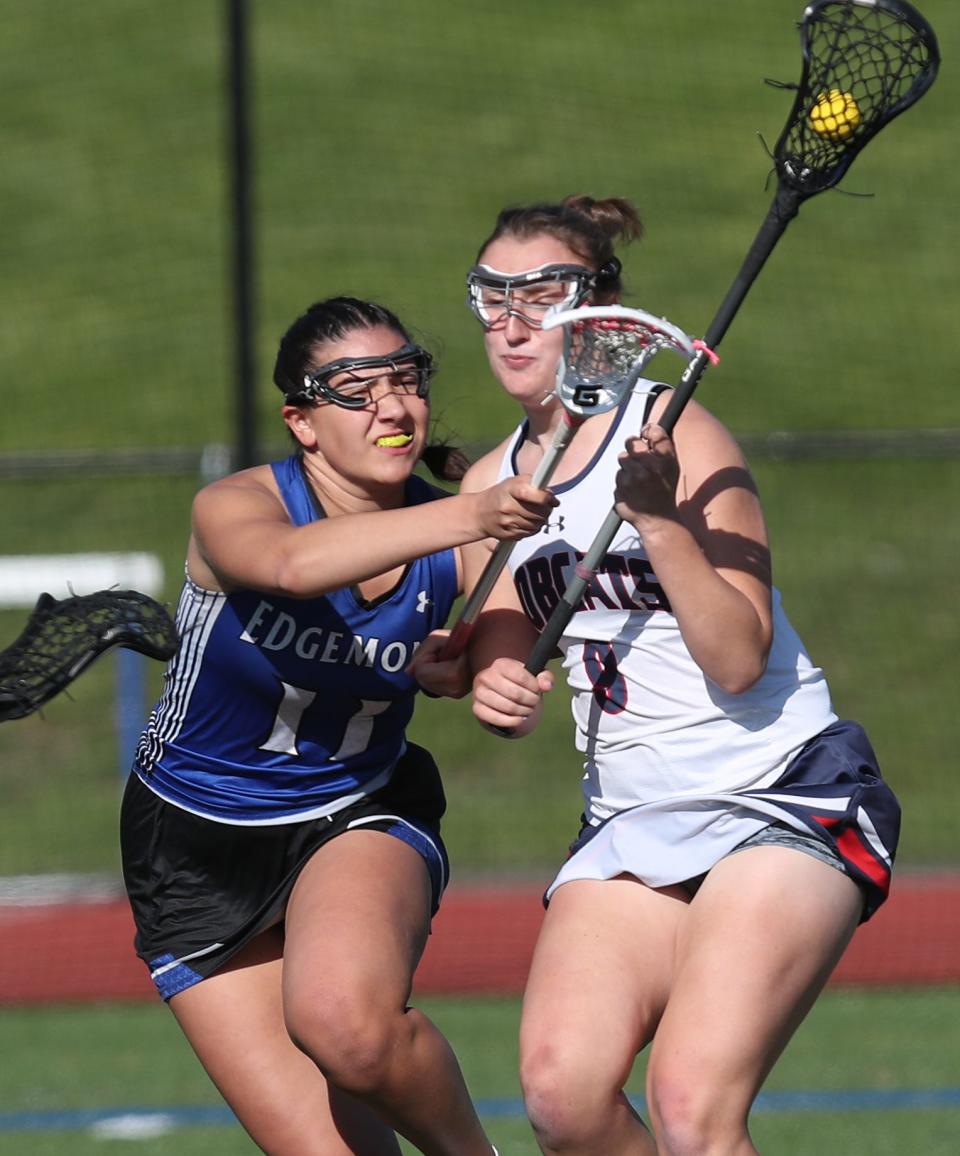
(560, 1099)
(689, 1118)
(351, 1044)
(307, 1024)
(362, 1059)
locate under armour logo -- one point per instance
(423, 602)
(556, 524)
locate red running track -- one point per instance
(481, 943)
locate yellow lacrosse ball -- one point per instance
(835, 115)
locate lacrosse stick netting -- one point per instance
(874, 60)
(63, 637)
(605, 350)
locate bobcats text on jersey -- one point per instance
(621, 582)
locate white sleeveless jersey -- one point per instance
(651, 725)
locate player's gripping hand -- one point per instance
(506, 696)
(646, 483)
(440, 677)
(513, 508)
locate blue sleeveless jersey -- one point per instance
(280, 709)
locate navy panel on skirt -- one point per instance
(834, 788)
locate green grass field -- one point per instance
(859, 1057)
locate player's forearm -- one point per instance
(337, 552)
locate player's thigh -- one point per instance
(234, 1022)
(358, 918)
(600, 974)
(237, 1004)
(763, 933)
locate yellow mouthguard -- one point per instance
(400, 439)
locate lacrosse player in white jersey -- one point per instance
(735, 831)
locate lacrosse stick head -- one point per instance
(605, 349)
(63, 637)
(864, 62)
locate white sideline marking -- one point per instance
(135, 1126)
(24, 577)
(43, 890)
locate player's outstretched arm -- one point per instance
(241, 532)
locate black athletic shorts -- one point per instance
(201, 890)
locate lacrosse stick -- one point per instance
(61, 639)
(864, 63)
(605, 350)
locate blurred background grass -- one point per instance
(385, 139)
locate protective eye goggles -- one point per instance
(409, 370)
(494, 296)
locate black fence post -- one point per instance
(242, 271)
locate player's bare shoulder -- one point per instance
(485, 471)
(700, 437)
(221, 511)
(253, 491)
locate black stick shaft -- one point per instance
(780, 214)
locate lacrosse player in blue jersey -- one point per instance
(281, 838)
